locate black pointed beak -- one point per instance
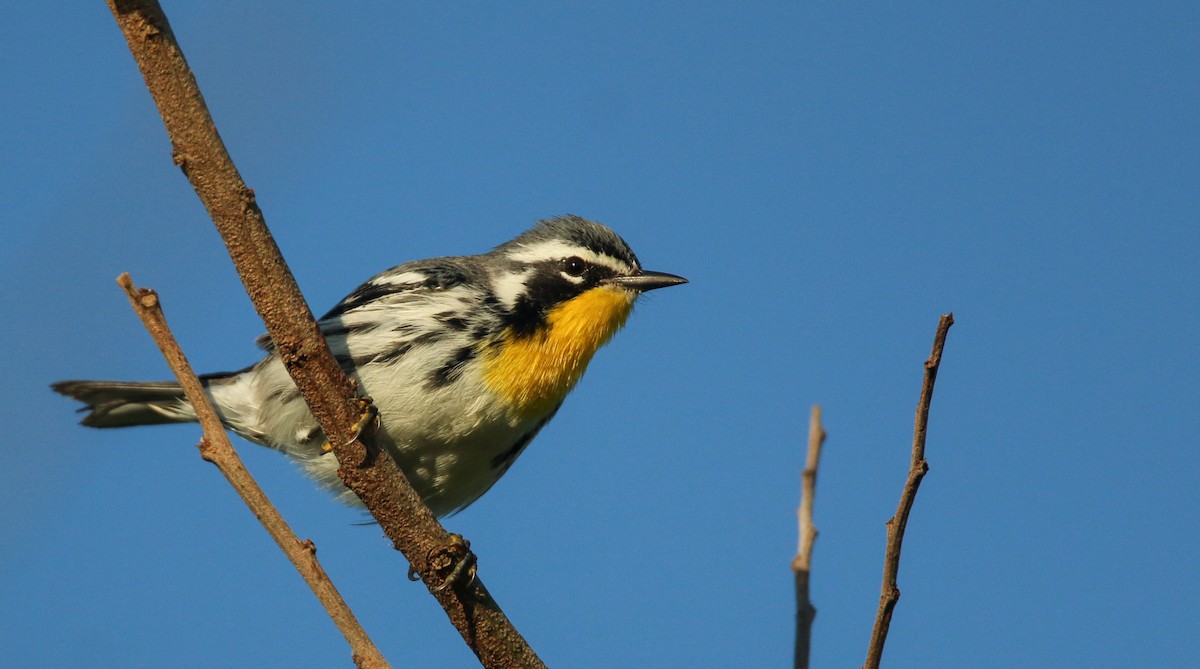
(644, 280)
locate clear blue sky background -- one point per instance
(830, 177)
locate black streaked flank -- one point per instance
(504, 460)
(451, 319)
(394, 354)
(418, 331)
(453, 368)
(402, 347)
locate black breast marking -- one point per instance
(503, 461)
(453, 368)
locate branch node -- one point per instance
(183, 160)
(202, 155)
(889, 591)
(806, 613)
(214, 447)
(207, 450)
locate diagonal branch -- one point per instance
(200, 153)
(215, 448)
(895, 527)
(802, 563)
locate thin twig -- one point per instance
(331, 396)
(215, 448)
(802, 563)
(896, 525)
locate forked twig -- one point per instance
(215, 448)
(802, 563)
(896, 525)
(201, 154)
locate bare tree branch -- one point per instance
(802, 563)
(200, 153)
(215, 448)
(896, 525)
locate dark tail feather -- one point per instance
(126, 403)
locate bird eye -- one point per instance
(574, 266)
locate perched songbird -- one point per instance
(465, 358)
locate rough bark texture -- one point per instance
(215, 448)
(200, 153)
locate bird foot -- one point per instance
(366, 425)
(454, 564)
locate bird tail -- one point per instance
(127, 403)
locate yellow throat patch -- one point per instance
(534, 373)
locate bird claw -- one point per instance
(367, 424)
(453, 563)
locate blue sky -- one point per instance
(830, 177)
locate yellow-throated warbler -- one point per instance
(465, 358)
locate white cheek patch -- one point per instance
(556, 249)
(510, 286)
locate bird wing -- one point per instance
(396, 299)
